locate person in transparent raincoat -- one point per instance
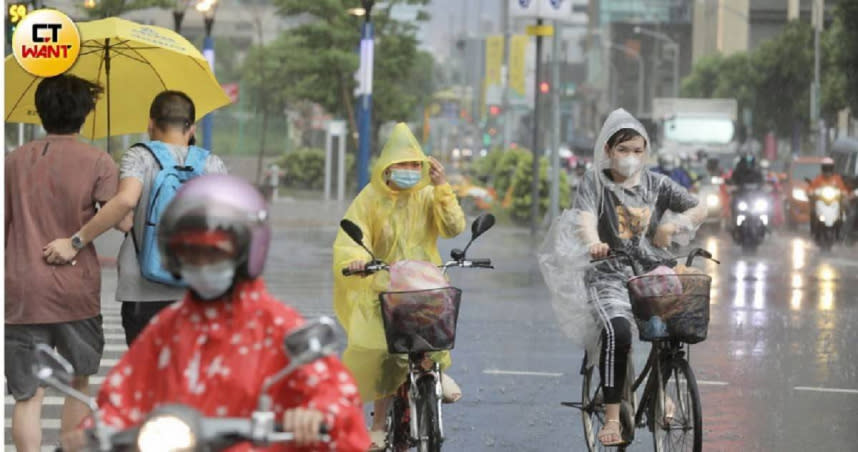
(619, 205)
(406, 207)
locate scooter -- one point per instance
(181, 427)
(751, 211)
(828, 215)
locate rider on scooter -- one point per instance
(215, 349)
(826, 177)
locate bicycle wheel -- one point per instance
(677, 393)
(592, 410)
(427, 414)
(397, 423)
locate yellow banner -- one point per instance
(494, 59)
(517, 53)
(540, 30)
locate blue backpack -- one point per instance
(167, 182)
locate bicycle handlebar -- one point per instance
(621, 254)
(375, 267)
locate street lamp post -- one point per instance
(364, 110)
(179, 8)
(639, 59)
(674, 45)
(207, 8)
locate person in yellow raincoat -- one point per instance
(402, 212)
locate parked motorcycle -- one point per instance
(173, 427)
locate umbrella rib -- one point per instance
(146, 61)
(21, 97)
(130, 57)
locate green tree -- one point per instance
(327, 51)
(844, 61)
(111, 8)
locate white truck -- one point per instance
(686, 125)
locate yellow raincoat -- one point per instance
(397, 225)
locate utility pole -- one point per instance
(555, 123)
(505, 77)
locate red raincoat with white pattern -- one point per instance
(215, 356)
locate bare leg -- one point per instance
(379, 415)
(75, 411)
(611, 431)
(26, 423)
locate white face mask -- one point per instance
(209, 281)
(626, 165)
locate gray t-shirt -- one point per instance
(139, 163)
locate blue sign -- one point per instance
(556, 3)
(524, 3)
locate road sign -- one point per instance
(541, 9)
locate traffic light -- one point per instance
(494, 110)
(544, 87)
(15, 13)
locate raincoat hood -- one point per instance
(402, 146)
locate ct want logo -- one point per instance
(46, 43)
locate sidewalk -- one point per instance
(286, 214)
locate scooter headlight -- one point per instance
(743, 206)
(799, 194)
(828, 193)
(761, 205)
(169, 428)
(713, 201)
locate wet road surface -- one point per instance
(777, 372)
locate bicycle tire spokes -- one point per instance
(677, 415)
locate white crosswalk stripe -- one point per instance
(114, 346)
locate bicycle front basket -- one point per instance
(683, 316)
(420, 321)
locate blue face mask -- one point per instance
(404, 178)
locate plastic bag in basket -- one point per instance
(656, 293)
(692, 285)
(408, 276)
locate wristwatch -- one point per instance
(77, 242)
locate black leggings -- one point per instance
(616, 345)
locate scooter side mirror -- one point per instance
(50, 365)
(305, 344)
(311, 341)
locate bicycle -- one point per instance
(670, 381)
(417, 323)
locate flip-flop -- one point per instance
(450, 391)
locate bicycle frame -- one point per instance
(661, 351)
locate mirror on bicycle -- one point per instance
(311, 341)
(48, 364)
(352, 230)
(482, 224)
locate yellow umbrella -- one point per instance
(134, 63)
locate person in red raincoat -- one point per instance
(214, 349)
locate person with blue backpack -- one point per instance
(150, 173)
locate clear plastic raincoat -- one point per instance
(397, 225)
(623, 215)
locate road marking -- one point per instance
(114, 336)
(46, 424)
(11, 448)
(712, 383)
(817, 389)
(521, 372)
(49, 400)
(108, 362)
(116, 348)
